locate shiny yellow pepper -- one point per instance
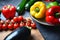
(38, 9)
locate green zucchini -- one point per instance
(21, 6)
(29, 4)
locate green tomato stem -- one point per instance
(8, 6)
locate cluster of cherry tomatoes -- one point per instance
(16, 22)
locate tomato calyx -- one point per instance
(8, 6)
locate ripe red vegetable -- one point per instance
(12, 21)
(33, 25)
(15, 19)
(29, 20)
(53, 15)
(0, 26)
(49, 19)
(17, 22)
(4, 26)
(1, 22)
(20, 18)
(28, 24)
(16, 25)
(22, 24)
(7, 21)
(9, 11)
(10, 26)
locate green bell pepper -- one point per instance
(52, 4)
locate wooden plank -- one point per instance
(36, 35)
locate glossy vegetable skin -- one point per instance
(52, 4)
(8, 11)
(38, 9)
(29, 4)
(21, 6)
(53, 15)
(19, 34)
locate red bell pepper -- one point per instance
(9, 11)
(53, 15)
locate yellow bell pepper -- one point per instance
(38, 9)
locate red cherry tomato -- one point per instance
(15, 19)
(20, 18)
(12, 21)
(10, 26)
(16, 25)
(29, 20)
(7, 21)
(24, 20)
(1, 22)
(33, 25)
(22, 24)
(28, 24)
(0, 26)
(4, 26)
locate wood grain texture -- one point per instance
(35, 35)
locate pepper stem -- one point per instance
(37, 9)
(57, 15)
